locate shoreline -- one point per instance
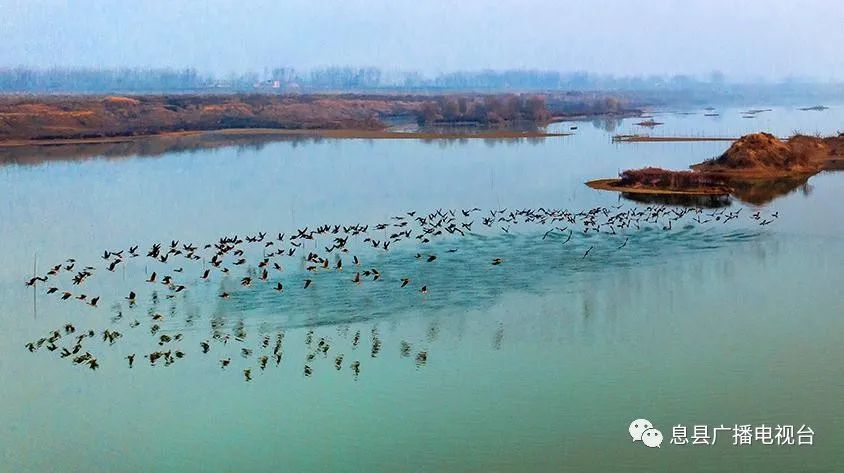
(608, 185)
(304, 133)
(48, 120)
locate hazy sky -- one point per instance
(744, 39)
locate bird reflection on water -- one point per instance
(252, 311)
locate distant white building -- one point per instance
(268, 84)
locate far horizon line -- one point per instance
(394, 75)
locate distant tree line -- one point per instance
(351, 78)
(357, 79)
(101, 80)
(487, 109)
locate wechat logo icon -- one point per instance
(643, 430)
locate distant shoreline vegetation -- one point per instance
(28, 118)
(651, 89)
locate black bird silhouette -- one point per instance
(32, 281)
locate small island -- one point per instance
(758, 160)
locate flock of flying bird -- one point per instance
(326, 248)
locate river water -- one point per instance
(539, 363)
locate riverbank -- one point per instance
(108, 119)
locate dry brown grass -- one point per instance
(763, 154)
(756, 168)
(93, 117)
